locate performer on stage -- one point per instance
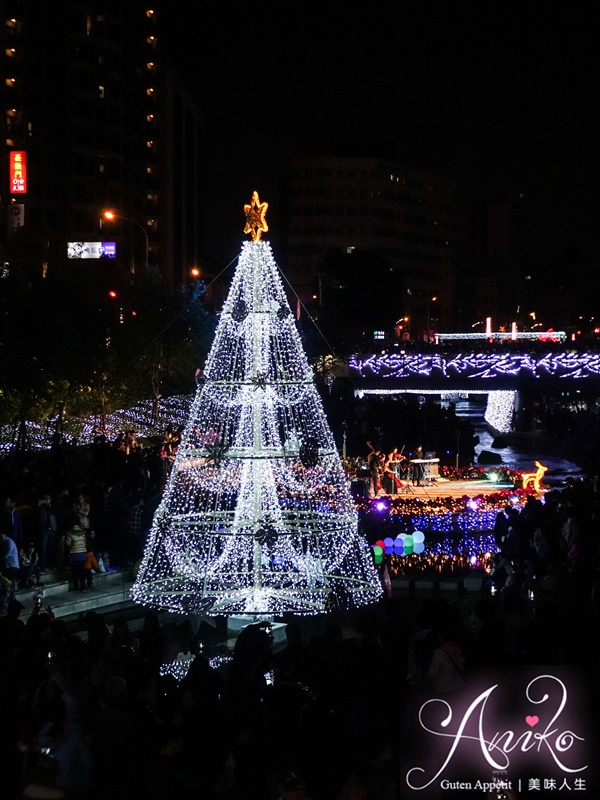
(393, 465)
(374, 467)
(418, 471)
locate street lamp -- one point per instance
(429, 301)
(112, 215)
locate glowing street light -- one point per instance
(111, 216)
(429, 301)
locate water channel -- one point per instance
(521, 454)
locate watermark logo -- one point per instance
(528, 731)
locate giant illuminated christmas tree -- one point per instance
(257, 515)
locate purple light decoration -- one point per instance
(473, 505)
(381, 506)
(108, 249)
(478, 365)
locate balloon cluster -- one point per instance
(405, 544)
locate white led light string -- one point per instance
(262, 520)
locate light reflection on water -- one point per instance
(519, 457)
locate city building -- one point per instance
(494, 279)
(93, 118)
(381, 234)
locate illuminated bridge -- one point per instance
(501, 375)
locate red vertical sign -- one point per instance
(18, 172)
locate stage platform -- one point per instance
(441, 487)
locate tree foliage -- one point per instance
(87, 339)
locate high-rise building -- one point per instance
(404, 218)
(93, 118)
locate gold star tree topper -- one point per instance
(255, 213)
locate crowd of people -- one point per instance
(89, 515)
(90, 715)
(327, 713)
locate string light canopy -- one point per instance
(257, 516)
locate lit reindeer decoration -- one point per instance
(534, 478)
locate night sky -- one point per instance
(496, 94)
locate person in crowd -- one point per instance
(14, 521)
(30, 566)
(9, 559)
(91, 567)
(500, 529)
(541, 545)
(76, 542)
(131, 442)
(47, 528)
(63, 510)
(136, 528)
(119, 442)
(445, 673)
(168, 450)
(82, 511)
